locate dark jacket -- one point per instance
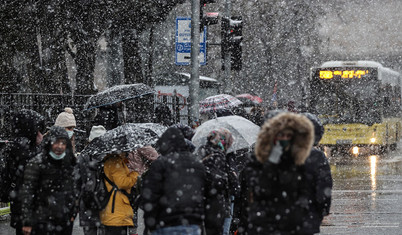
(48, 193)
(108, 116)
(318, 176)
(274, 196)
(218, 190)
(173, 188)
(86, 171)
(319, 179)
(26, 124)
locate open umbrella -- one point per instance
(118, 93)
(218, 103)
(249, 100)
(243, 131)
(125, 138)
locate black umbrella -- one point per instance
(118, 93)
(125, 138)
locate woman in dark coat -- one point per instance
(28, 127)
(220, 181)
(273, 186)
(48, 193)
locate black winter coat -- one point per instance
(85, 172)
(25, 125)
(48, 193)
(19, 153)
(173, 188)
(318, 174)
(273, 198)
(220, 178)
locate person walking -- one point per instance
(89, 217)
(117, 216)
(140, 160)
(48, 192)
(220, 181)
(28, 127)
(273, 185)
(173, 189)
(319, 178)
(66, 120)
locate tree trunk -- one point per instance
(131, 57)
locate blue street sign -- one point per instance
(183, 42)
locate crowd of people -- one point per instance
(283, 187)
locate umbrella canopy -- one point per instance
(118, 93)
(249, 100)
(243, 131)
(218, 102)
(125, 138)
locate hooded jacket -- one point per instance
(26, 124)
(318, 176)
(173, 188)
(48, 193)
(274, 195)
(116, 170)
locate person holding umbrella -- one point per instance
(88, 216)
(221, 181)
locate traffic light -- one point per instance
(232, 36)
(209, 18)
(235, 39)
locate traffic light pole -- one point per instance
(195, 51)
(227, 75)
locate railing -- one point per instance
(50, 105)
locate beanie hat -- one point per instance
(96, 131)
(66, 118)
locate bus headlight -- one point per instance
(355, 150)
(372, 140)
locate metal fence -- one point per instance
(176, 103)
(50, 105)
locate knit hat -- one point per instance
(96, 131)
(66, 118)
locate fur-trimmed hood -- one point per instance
(302, 141)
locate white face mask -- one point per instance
(70, 134)
(57, 157)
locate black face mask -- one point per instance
(284, 143)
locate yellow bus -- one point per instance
(359, 104)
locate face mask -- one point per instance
(70, 134)
(57, 157)
(284, 143)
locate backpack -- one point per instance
(7, 179)
(95, 194)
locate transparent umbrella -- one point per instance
(244, 131)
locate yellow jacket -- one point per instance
(116, 170)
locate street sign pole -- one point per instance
(195, 74)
